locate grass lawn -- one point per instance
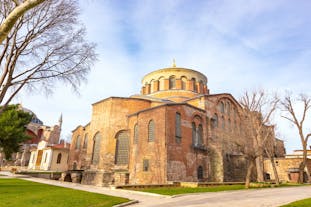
(183, 190)
(16, 192)
(216, 188)
(301, 203)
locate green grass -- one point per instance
(183, 190)
(16, 192)
(216, 188)
(301, 203)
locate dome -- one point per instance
(174, 82)
(34, 119)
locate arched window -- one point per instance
(200, 135)
(59, 158)
(194, 85)
(148, 88)
(194, 134)
(152, 86)
(201, 86)
(74, 166)
(151, 131)
(214, 121)
(229, 125)
(96, 148)
(85, 141)
(183, 83)
(135, 141)
(78, 142)
(161, 83)
(172, 82)
(178, 127)
(223, 124)
(222, 107)
(228, 108)
(122, 148)
(200, 172)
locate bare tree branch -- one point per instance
(20, 9)
(292, 116)
(46, 45)
(258, 108)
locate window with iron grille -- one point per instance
(151, 131)
(122, 149)
(200, 172)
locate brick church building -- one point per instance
(174, 130)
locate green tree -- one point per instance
(13, 123)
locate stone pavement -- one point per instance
(269, 197)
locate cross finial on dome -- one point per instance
(174, 63)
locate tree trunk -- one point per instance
(249, 172)
(302, 164)
(275, 172)
(259, 168)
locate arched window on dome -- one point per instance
(201, 86)
(147, 88)
(172, 82)
(183, 82)
(161, 83)
(194, 85)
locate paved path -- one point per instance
(270, 197)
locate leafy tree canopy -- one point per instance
(13, 123)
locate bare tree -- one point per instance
(292, 116)
(257, 110)
(270, 151)
(17, 11)
(47, 44)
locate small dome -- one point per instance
(34, 119)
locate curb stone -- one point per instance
(127, 203)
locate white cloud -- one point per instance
(238, 45)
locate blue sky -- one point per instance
(238, 45)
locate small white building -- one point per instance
(49, 157)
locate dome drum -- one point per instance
(174, 79)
